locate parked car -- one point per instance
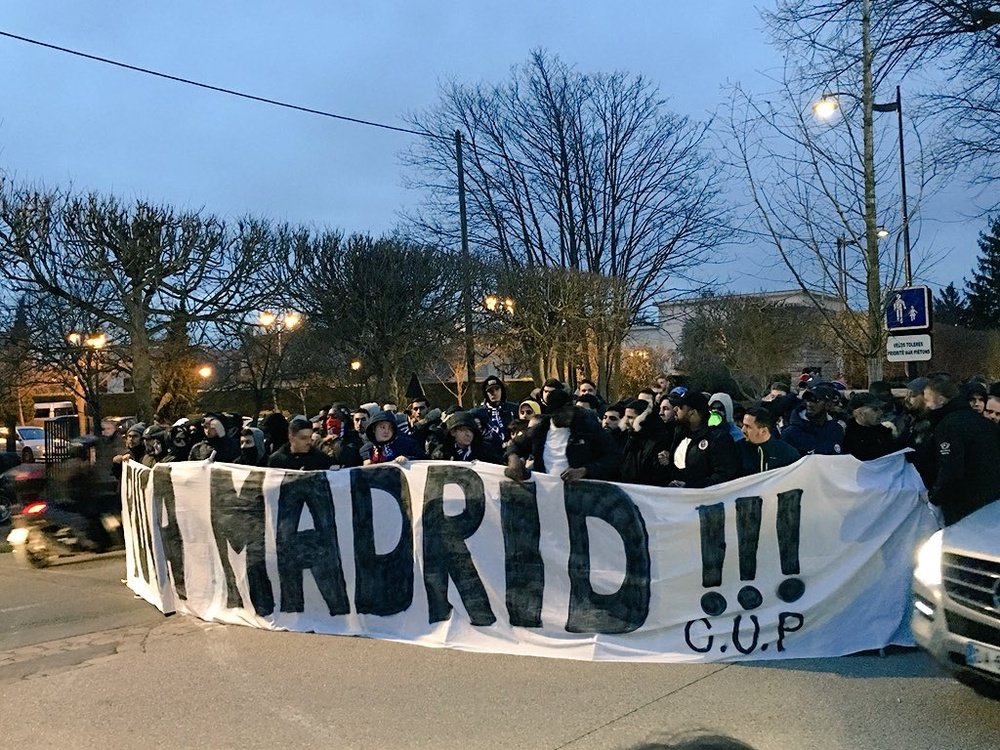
(956, 598)
(30, 444)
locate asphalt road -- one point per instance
(85, 665)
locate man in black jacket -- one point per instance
(299, 452)
(701, 456)
(495, 413)
(646, 435)
(763, 450)
(968, 471)
(568, 442)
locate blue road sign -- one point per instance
(908, 310)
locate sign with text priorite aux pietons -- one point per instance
(908, 310)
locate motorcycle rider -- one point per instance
(80, 500)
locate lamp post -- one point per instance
(824, 109)
(91, 344)
(279, 322)
(842, 243)
(356, 372)
(826, 106)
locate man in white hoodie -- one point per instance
(721, 405)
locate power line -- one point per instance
(220, 89)
(295, 107)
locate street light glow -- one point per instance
(491, 302)
(74, 338)
(267, 318)
(355, 364)
(97, 341)
(826, 107)
(881, 232)
(292, 319)
(205, 372)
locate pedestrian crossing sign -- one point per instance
(908, 310)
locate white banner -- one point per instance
(807, 561)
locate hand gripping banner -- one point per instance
(807, 561)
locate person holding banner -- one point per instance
(567, 441)
(385, 444)
(701, 456)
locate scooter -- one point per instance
(44, 534)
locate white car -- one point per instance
(30, 443)
(956, 598)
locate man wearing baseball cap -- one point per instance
(701, 456)
(811, 428)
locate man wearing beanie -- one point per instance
(567, 441)
(701, 456)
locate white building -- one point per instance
(665, 333)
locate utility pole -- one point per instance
(470, 351)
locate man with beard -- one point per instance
(920, 433)
(134, 449)
(701, 456)
(646, 436)
(567, 441)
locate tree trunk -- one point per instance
(873, 285)
(142, 374)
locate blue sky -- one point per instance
(66, 120)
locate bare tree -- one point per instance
(746, 338)
(585, 172)
(816, 188)
(389, 303)
(130, 265)
(954, 40)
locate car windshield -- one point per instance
(31, 433)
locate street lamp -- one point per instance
(825, 107)
(205, 372)
(92, 344)
(842, 243)
(494, 304)
(279, 322)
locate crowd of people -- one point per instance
(667, 435)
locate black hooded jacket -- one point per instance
(710, 458)
(397, 445)
(640, 463)
(589, 446)
(480, 450)
(968, 461)
(495, 418)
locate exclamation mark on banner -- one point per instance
(748, 514)
(712, 519)
(788, 528)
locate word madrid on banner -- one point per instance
(807, 561)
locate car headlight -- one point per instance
(928, 569)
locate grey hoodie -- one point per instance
(727, 403)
